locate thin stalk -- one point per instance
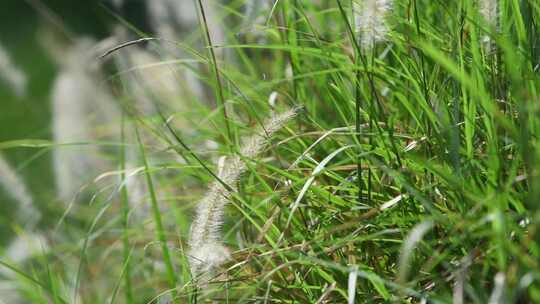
(289, 38)
(125, 216)
(357, 101)
(371, 82)
(193, 154)
(372, 110)
(160, 232)
(430, 177)
(219, 91)
(358, 124)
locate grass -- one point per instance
(410, 175)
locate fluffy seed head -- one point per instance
(370, 21)
(208, 256)
(168, 17)
(497, 294)
(489, 10)
(22, 248)
(205, 238)
(252, 12)
(16, 188)
(11, 74)
(79, 102)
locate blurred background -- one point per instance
(60, 116)
(27, 30)
(50, 49)
(76, 79)
(438, 177)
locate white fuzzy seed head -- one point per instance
(206, 227)
(489, 10)
(14, 77)
(169, 16)
(15, 187)
(23, 247)
(208, 256)
(79, 103)
(370, 21)
(497, 294)
(254, 144)
(252, 12)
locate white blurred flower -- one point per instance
(12, 75)
(370, 21)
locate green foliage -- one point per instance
(446, 142)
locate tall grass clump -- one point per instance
(206, 246)
(411, 176)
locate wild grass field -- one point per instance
(280, 151)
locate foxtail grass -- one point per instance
(206, 246)
(489, 10)
(12, 75)
(14, 185)
(370, 20)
